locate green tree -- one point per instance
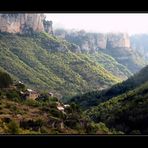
(13, 128)
(5, 80)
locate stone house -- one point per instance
(50, 94)
(30, 94)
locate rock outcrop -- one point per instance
(116, 45)
(139, 42)
(24, 23)
(48, 26)
(120, 40)
(91, 42)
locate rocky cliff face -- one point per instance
(139, 42)
(95, 41)
(120, 40)
(23, 23)
(116, 45)
(92, 42)
(48, 26)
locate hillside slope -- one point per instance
(45, 114)
(94, 98)
(116, 45)
(47, 63)
(126, 112)
(123, 107)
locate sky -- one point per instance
(101, 22)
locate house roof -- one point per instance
(30, 90)
(60, 108)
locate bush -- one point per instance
(90, 129)
(72, 123)
(30, 124)
(33, 103)
(6, 120)
(55, 113)
(13, 127)
(43, 97)
(5, 80)
(12, 94)
(21, 87)
(44, 130)
(53, 104)
(75, 107)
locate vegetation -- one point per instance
(110, 64)
(96, 97)
(126, 112)
(130, 60)
(5, 80)
(127, 57)
(44, 62)
(23, 116)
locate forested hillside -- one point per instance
(45, 62)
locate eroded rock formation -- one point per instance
(96, 41)
(23, 23)
(118, 40)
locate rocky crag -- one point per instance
(24, 23)
(95, 41)
(116, 45)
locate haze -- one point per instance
(101, 22)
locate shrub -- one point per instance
(44, 130)
(102, 127)
(55, 112)
(33, 103)
(53, 104)
(5, 80)
(43, 97)
(21, 87)
(6, 120)
(75, 107)
(30, 124)
(13, 127)
(12, 94)
(72, 123)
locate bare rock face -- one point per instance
(119, 40)
(23, 23)
(94, 41)
(86, 42)
(48, 26)
(101, 41)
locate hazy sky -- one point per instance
(101, 22)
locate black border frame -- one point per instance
(107, 6)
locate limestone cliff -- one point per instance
(23, 23)
(94, 41)
(116, 45)
(48, 26)
(118, 40)
(87, 42)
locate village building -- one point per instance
(50, 94)
(21, 82)
(60, 107)
(66, 105)
(30, 94)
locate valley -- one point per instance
(57, 81)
